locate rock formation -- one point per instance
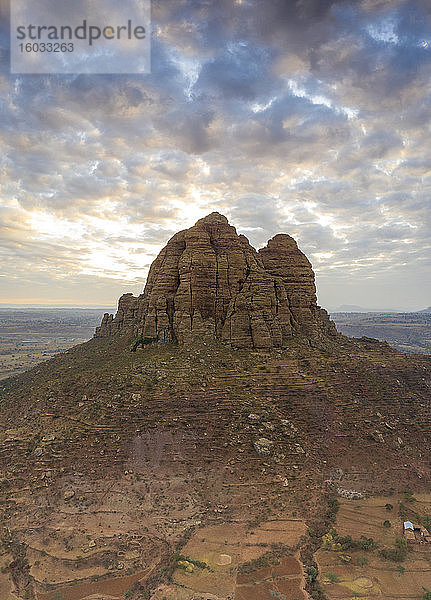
(209, 281)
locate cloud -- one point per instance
(305, 117)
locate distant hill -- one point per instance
(353, 308)
(408, 332)
(360, 309)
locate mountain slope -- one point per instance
(111, 459)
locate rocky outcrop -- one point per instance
(282, 258)
(125, 319)
(209, 282)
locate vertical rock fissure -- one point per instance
(276, 298)
(170, 305)
(217, 284)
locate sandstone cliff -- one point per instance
(209, 281)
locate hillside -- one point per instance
(181, 469)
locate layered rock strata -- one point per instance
(209, 281)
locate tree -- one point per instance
(312, 573)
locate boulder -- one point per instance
(69, 494)
(253, 418)
(263, 446)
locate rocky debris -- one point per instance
(336, 474)
(253, 419)
(268, 426)
(68, 495)
(263, 446)
(288, 427)
(208, 281)
(299, 449)
(349, 494)
(19, 568)
(377, 436)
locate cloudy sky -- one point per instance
(310, 117)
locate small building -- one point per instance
(415, 534)
(425, 535)
(409, 532)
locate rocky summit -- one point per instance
(208, 281)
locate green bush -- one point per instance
(408, 496)
(401, 543)
(348, 543)
(333, 578)
(387, 524)
(272, 557)
(183, 562)
(389, 506)
(397, 554)
(426, 521)
(403, 510)
(333, 506)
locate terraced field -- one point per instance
(365, 573)
(234, 553)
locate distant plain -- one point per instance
(408, 332)
(31, 335)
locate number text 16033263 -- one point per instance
(47, 47)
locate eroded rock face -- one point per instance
(209, 281)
